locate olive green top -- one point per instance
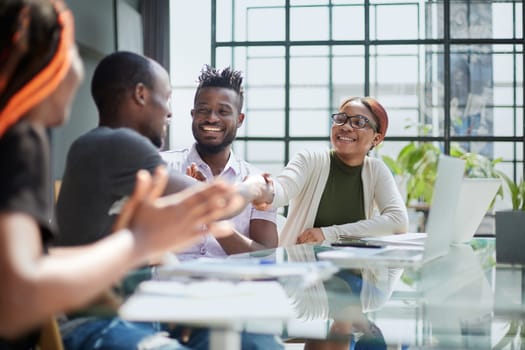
(342, 201)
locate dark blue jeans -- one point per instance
(117, 334)
(199, 340)
(114, 334)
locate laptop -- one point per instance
(440, 227)
(474, 201)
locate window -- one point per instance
(455, 67)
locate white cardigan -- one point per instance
(301, 185)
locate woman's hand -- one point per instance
(311, 235)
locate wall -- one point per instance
(101, 27)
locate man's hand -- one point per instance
(311, 235)
(193, 171)
(173, 222)
(259, 190)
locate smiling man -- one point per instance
(216, 116)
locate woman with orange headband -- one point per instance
(40, 71)
(342, 192)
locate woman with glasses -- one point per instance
(342, 192)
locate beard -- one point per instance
(204, 147)
(211, 149)
(157, 140)
(156, 135)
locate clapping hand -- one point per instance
(170, 223)
(193, 171)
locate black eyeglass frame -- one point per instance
(366, 120)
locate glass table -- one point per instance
(462, 300)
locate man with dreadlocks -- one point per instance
(216, 116)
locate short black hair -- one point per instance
(226, 78)
(117, 74)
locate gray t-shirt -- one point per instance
(100, 171)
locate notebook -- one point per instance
(474, 201)
(440, 227)
(207, 303)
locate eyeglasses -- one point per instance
(356, 121)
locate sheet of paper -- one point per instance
(207, 303)
(224, 269)
(409, 238)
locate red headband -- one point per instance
(47, 80)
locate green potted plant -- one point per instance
(510, 225)
(415, 170)
(415, 167)
(416, 164)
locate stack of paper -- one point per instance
(207, 303)
(409, 238)
(245, 270)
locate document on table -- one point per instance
(410, 238)
(245, 270)
(207, 303)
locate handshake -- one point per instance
(257, 189)
(153, 219)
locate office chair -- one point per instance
(50, 338)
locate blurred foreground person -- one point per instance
(40, 71)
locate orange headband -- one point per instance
(47, 80)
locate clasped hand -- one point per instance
(257, 189)
(173, 222)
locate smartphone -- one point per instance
(359, 244)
